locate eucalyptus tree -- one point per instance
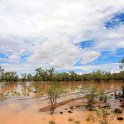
(66, 76)
(73, 77)
(122, 63)
(106, 76)
(122, 68)
(1, 73)
(86, 77)
(24, 77)
(51, 73)
(59, 77)
(11, 76)
(122, 74)
(42, 74)
(97, 75)
(30, 77)
(115, 76)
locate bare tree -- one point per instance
(54, 93)
(91, 97)
(104, 97)
(90, 93)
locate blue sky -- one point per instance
(85, 44)
(2, 55)
(80, 35)
(116, 21)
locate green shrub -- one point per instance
(70, 119)
(52, 122)
(77, 122)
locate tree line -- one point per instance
(51, 75)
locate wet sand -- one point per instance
(29, 116)
(26, 110)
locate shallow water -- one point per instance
(34, 89)
(23, 100)
(27, 93)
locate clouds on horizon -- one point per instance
(45, 33)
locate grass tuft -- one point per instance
(77, 122)
(52, 122)
(70, 119)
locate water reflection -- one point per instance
(35, 89)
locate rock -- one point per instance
(66, 109)
(119, 94)
(90, 109)
(122, 106)
(116, 97)
(117, 110)
(61, 112)
(107, 113)
(120, 118)
(35, 91)
(70, 112)
(71, 107)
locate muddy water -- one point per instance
(23, 90)
(99, 85)
(20, 102)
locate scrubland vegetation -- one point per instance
(102, 105)
(52, 75)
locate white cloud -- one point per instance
(49, 30)
(90, 56)
(14, 57)
(111, 67)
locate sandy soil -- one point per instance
(28, 117)
(27, 112)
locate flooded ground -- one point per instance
(30, 88)
(20, 103)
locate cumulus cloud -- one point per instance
(49, 30)
(90, 56)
